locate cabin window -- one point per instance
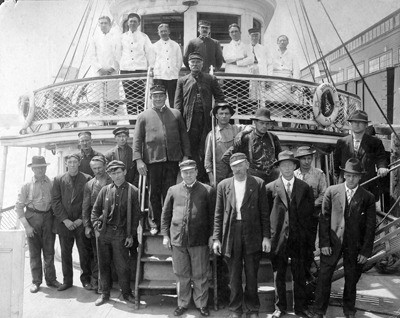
(373, 64)
(351, 72)
(385, 60)
(361, 68)
(219, 25)
(151, 22)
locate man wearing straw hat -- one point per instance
(37, 219)
(186, 224)
(346, 228)
(292, 207)
(368, 149)
(115, 218)
(159, 143)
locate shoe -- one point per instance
(64, 287)
(54, 283)
(95, 287)
(204, 311)
(34, 288)
(87, 286)
(304, 314)
(179, 311)
(278, 313)
(153, 231)
(101, 300)
(129, 298)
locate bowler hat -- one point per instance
(38, 161)
(353, 165)
(222, 105)
(262, 114)
(195, 56)
(358, 115)
(114, 165)
(237, 158)
(286, 155)
(304, 151)
(121, 130)
(187, 164)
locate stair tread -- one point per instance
(156, 258)
(158, 284)
(269, 287)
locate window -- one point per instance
(175, 21)
(381, 62)
(397, 20)
(256, 24)
(340, 76)
(378, 31)
(360, 67)
(351, 72)
(373, 65)
(219, 24)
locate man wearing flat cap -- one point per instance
(186, 224)
(67, 199)
(33, 208)
(115, 218)
(159, 143)
(260, 146)
(346, 228)
(368, 149)
(123, 152)
(241, 233)
(292, 206)
(193, 99)
(87, 152)
(207, 47)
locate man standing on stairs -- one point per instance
(292, 207)
(186, 224)
(115, 218)
(346, 228)
(241, 233)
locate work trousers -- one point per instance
(85, 255)
(161, 176)
(197, 138)
(240, 301)
(42, 241)
(191, 264)
(93, 261)
(111, 248)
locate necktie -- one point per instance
(356, 145)
(255, 57)
(349, 195)
(288, 190)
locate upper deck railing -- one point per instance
(102, 101)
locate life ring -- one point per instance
(326, 104)
(27, 107)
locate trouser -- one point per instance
(84, 250)
(42, 241)
(197, 135)
(170, 86)
(162, 176)
(111, 248)
(94, 266)
(134, 93)
(248, 301)
(279, 266)
(352, 273)
(191, 264)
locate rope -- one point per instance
(359, 73)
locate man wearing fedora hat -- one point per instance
(37, 219)
(368, 149)
(241, 232)
(159, 143)
(292, 236)
(260, 146)
(186, 224)
(86, 152)
(194, 99)
(346, 228)
(123, 152)
(208, 47)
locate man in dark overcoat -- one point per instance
(346, 228)
(292, 207)
(241, 233)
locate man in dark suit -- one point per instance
(292, 207)
(368, 149)
(346, 228)
(193, 98)
(241, 232)
(67, 198)
(123, 152)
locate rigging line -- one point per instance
(301, 44)
(359, 73)
(302, 32)
(308, 31)
(318, 46)
(79, 39)
(73, 38)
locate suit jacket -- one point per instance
(304, 208)
(66, 199)
(186, 92)
(254, 211)
(360, 225)
(132, 175)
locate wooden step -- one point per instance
(153, 245)
(266, 294)
(158, 284)
(157, 258)
(158, 271)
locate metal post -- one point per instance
(3, 174)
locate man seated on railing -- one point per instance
(87, 152)
(37, 219)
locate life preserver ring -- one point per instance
(326, 104)
(27, 108)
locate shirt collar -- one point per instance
(354, 137)
(161, 110)
(219, 128)
(122, 186)
(354, 190)
(189, 186)
(46, 179)
(291, 181)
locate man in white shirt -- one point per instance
(136, 57)
(167, 62)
